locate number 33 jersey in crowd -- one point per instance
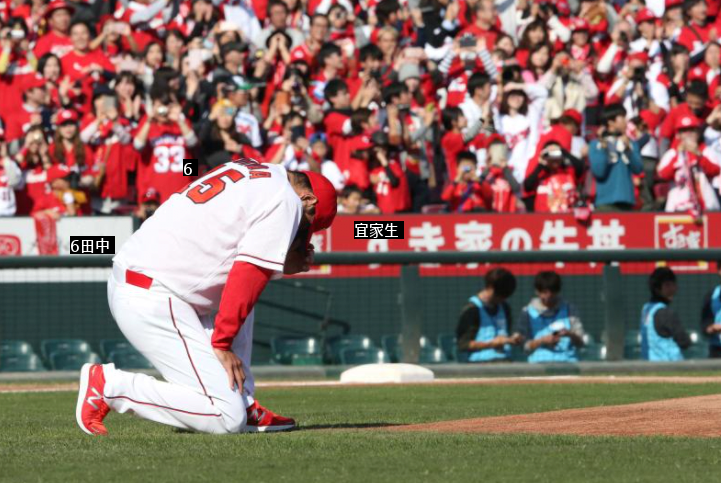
(240, 211)
(161, 162)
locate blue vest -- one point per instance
(542, 326)
(491, 327)
(715, 340)
(653, 346)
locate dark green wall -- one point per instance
(36, 311)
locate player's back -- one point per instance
(241, 210)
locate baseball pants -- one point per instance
(170, 334)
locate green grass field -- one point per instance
(39, 440)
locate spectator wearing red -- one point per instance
(67, 148)
(690, 166)
(485, 24)
(467, 193)
(458, 135)
(695, 34)
(17, 63)
(149, 203)
(29, 114)
(113, 154)
(164, 138)
(81, 63)
(57, 41)
(34, 159)
(11, 179)
(505, 190)
(535, 34)
(694, 106)
(330, 66)
(62, 199)
(554, 181)
(319, 27)
(389, 182)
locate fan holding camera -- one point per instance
(387, 177)
(467, 193)
(553, 183)
(633, 88)
(164, 138)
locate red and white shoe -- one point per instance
(261, 420)
(91, 409)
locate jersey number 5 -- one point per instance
(208, 188)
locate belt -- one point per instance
(138, 279)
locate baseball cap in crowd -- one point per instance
(563, 9)
(408, 71)
(645, 15)
(226, 106)
(696, 73)
(580, 25)
(58, 5)
(67, 115)
(318, 137)
(241, 83)
(325, 209)
(688, 122)
(233, 47)
(573, 115)
(57, 171)
(150, 196)
(34, 81)
(359, 143)
(673, 4)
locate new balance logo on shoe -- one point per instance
(91, 399)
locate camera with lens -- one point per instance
(163, 111)
(639, 74)
(468, 40)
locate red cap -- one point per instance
(696, 73)
(67, 115)
(57, 171)
(327, 205)
(673, 3)
(33, 81)
(151, 195)
(642, 56)
(579, 24)
(688, 122)
(493, 138)
(645, 15)
(58, 5)
(564, 10)
(574, 115)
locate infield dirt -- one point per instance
(692, 416)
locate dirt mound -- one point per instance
(693, 416)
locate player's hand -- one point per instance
(299, 260)
(233, 367)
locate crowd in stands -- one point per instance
(549, 328)
(405, 105)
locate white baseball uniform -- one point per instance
(240, 212)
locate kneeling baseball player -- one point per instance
(211, 248)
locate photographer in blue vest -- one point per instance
(662, 334)
(484, 327)
(711, 318)
(550, 324)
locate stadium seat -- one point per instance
(108, 346)
(20, 363)
(588, 339)
(306, 360)
(633, 337)
(697, 351)
(342, 342)
(694, 336)
(432, 355)
(15, 347)
(284, 348)
(49, 347)
(632, 352)
(449, 343)
(363, 356)
(72, 361)
(518, 354)
(130, 359)
(392, 346)
(592, 352)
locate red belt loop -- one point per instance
(138, 279)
